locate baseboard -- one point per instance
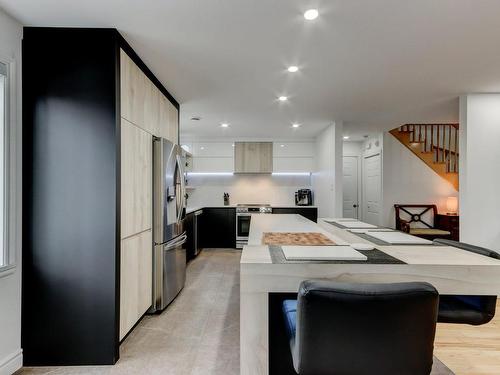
(11, 363)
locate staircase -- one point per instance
(435, 144)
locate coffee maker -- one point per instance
(303, 197)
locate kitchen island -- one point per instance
(450, 270)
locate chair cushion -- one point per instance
(429, 232)
(290, 314)
(474, 310)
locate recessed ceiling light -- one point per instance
(283, 98)
(311, 14)
(224, 125)
(282, 145)
(295, 126)
(202, 148)
(293, 69)
(346, 137)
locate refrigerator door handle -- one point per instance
(176, 243)
(183, 189)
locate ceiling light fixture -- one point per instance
(346, 137)
(295, 126)
(283, 98)
(282, 145)
(293, 69)
(311, 14)
(224, 125)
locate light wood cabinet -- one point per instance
(253, 157)
(136, 179)
(145, 112)
(173, 124)
(136, 264)
(132, 91)
(152, 108)
(144, 105)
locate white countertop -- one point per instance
(196, 208)
(261, 223)
(255, 252)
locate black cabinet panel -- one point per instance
(217, 227)
(71, 197)
(190, 244)
(71, 194)
(310, 213)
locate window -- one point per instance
(4, 170)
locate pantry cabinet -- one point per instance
(91, 108)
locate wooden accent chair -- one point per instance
(410, 219)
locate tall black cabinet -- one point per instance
(71, 195)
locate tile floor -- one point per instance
(199, 333)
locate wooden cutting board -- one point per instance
(296, 238)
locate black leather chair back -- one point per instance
(474, 310)
(345, 328)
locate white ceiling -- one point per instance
(371, 63)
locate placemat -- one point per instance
(344, 227)
(380, 242)
(296, 238)
(374, 256)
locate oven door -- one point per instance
(242, 226)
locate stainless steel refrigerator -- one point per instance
(169, 210)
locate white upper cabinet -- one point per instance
(293, 149)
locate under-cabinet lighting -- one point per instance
(210, 173)
(291, 173)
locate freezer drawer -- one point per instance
(170, 272)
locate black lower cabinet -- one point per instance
(310, 213)
(190, 232)
(217, 227)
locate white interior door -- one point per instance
(350, 189)
(372, 189)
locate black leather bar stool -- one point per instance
(474, 310)
(344, 328)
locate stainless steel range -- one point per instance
(243, 215)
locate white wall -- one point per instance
(352, 148)
(479, 170)
(10, 281)
(327, 179)
(407, 179)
